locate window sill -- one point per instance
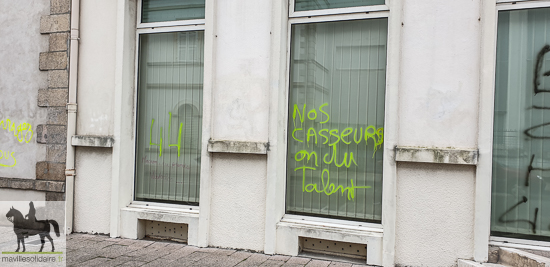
(436, 155)
(292, 227)
(243, 147)
(133, 216)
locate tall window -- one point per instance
(521, 148)
(336, 117)
(170, 83)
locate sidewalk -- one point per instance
(97, 250)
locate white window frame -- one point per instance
(335, 11)
(482, 222)
(127, 214)
(283, 230)
(141, 25)
(158, 27)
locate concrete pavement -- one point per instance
(98, 250)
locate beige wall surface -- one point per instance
(20, 79)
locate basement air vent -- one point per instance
(169, 231)
(333, 248)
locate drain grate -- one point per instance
(334, 248)
(164, 230)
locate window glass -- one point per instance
(521, 148)
(336, 119)
(169, 116)
(303, 5)
(170, 10)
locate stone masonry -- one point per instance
(55, 61)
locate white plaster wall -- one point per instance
(96, 73)
(7, 194)
(241, 66)
(435, 214)
(238, 201)
(438, 107)
(92, 196)
(440, 73)
(20, 80)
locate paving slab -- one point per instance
(101, 250)
(279, 258)
(180, 253)
(123, 260)
(340, 264)
(299, 260)
(254, 260)
(95, 262)
(318, 263)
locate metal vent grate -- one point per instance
(164, 230)
(334, 248)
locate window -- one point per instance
(170, 82)
(304, 5)
(521, 147)
(336, 115)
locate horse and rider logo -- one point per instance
(29, 226)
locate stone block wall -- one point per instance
(54, 98)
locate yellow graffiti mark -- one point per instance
(301, 116)
(7, 155)
(301, 155)
(334, 157)
(332, 188)
(345, 133)
(297, 129)
(178, 145)
(325, 136)
(19, 131)
(151, 136)
(310, 134)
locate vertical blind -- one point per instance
(336, 119)
(171, 10)
(169, 116)
(521, 148)
(303, 5)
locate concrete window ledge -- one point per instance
(436, 155)
(32, 184)
(231, 146)
(292, 227)
(133, 216)
(92, 141)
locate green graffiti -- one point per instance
(309, 134)
(332, 138)
(328, 187)
(334, 157)
(302, 154)
(344, 134)
(325, 136)
(21, 132)
(334, 132)
(151, 136)
(301, 118)
(360, 136)
(294, 137)
(178, 145)
(380, 135)
(378, 140)
(314, 113)
(304, 168)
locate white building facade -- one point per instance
(410, 130)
